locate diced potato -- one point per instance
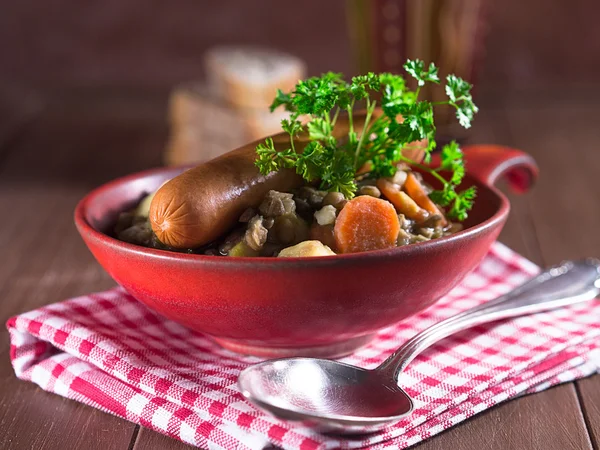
(306, 248)
(399, 178)
(242, 249)
(326, 215)
(143, 208)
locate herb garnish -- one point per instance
(336, 162)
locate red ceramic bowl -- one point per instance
(326, 306)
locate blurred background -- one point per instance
(67, 44)
(137, 60)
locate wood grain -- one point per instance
(536, 422)
(565, 206)
(151, 440)
(588, 390)
(41, 195)
(29, 417)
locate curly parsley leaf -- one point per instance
(343, 182)
(340, 179)
(416, 68)
(465, 113)
(318, 95)
(457, 88)
(270, 159)
(265, 160)
(291, 126)
(379, 141)
(309, 163)
(452, 159)
(419, 118)
(444, 196)
(417, 123)
(462, 203)
(459, 94)
(319, 129)
(282, 99)
(394, 94)
(360, 85)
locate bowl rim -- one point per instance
(87, 231)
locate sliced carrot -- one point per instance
(415, 150)
(366, 223)
(366, 167)
(416, 191)
(403, 203)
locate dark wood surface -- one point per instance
(52, 153)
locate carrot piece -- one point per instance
(366, 167)
(403, 203)
(415, 150)
(366, 223)
(414, 188)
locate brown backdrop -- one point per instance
(72, 43)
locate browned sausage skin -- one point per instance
(202, 203)
(205, 202)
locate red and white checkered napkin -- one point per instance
(109, 351)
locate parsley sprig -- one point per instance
(379, 142)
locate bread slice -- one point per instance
(203, 127)
(248, 77)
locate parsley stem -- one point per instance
(370, 109)
(417, 92)
(335, 116)
(350, 121)
(425, 168)
(292, 143)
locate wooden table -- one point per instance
(53, 152)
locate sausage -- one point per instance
(204, 202)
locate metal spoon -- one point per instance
(333, 396)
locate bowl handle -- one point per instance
(488, 163)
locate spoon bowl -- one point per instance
(325, 394)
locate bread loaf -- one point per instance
(248, 77)
(203, 127)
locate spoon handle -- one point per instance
(566, 284)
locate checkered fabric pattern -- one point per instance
(109, 351)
